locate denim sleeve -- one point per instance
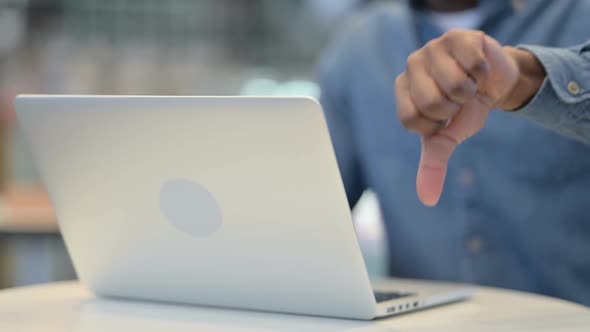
(563, 101)
(333, 71)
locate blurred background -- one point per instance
(161, 47)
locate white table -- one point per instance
(69, 306)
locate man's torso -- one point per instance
(515, 210)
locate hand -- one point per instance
(448, 89)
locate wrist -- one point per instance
(530, 78)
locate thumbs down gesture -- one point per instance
(448, 90)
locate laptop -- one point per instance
(232, 202)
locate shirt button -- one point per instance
(466, 177)
(474, 245)
(573, 88)
(518, 5)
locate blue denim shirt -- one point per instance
(515, 210)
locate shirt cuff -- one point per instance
(566, 86)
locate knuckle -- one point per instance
(432, 44)
(453, 34)
(403, 117)
(479, 36)
(404, 121)
(398, 87)
(477, 40)
(408, 120)
(432, 48)
(413, 59)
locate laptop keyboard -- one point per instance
(388, 296)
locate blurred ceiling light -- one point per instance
(269, 87)
(298, 88)
(258, 87)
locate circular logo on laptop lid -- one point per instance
(190, 207)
